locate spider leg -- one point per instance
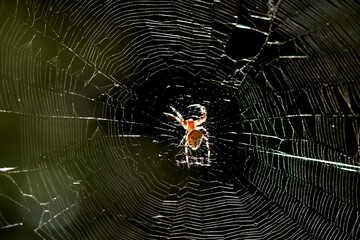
(203, 111)
(185, 137)
(194, 105)
(186, 153)
(177, 113)
(202, 128)
(207, 145)
(182, 140)
(178, 118)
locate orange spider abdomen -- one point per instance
(194, 138)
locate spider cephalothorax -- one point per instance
(193, 136)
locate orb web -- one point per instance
(87, 153)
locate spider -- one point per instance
(193, 136)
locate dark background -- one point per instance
(87, 153)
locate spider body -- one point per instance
(193, 134)
(190, 124)
(195, 138)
